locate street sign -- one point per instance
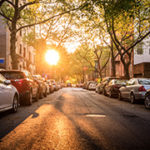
(2, 60)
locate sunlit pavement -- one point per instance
(76, 119)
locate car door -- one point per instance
(130, 87)
(5, 94)
(108, 86)
(126, 89)
(34, 85)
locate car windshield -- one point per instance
(120, 82)
(144, 81)
(13, 75)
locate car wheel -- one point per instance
(45, 94)
(132, 98)
(110, 94)
(29, 98)
(104, 92)
(41, 95)
(37, 96)
(120, 96)
(147, 102)
(15, 104)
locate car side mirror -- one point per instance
(7, 82)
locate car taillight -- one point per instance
(19, 81)
(142, 89)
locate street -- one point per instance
(76, 119)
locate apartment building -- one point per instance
(26, 54)
(142, 58)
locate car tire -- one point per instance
(110, 94)
(147, 102)
(104, 92)
(15, 104)
(41, 95)
(120, 96)
(29, 98)
(45, 94)
(37, 96)
(132, 98)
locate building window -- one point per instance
(140, 49)
(20, 49)
(24, 52)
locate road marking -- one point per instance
(95, 115)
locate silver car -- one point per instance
(9, 97)
(135, 89)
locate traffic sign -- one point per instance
(2, 60)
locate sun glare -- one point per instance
(52, 57)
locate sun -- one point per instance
(52, 57)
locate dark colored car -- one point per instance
(112, 87)
(42, 86)
(147, 99)
(24, 83)
(101, 86)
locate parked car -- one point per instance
(42, 86)
(92, 86)
(69, 85)
(9, 96)
(80, 85)
(54, 84)
(59, 85)
(47, 87)
(86, 84)
(51, 87)
(113, 86)
(147, 99)
(101, 86)
(24, 83)
(135, 89)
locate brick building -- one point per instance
(26, 53)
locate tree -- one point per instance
(95, 58)
(128, 27)
(127, 23)
(23, 15)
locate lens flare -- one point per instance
(52, 57)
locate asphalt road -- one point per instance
(76, 119)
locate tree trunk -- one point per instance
(14, 58)
(126, 63)
(113, 64)
(100, 74)
(126, 71)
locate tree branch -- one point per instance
(28, 4)
(11, 3)
(1, 14)
(138, 41)
(60, 14)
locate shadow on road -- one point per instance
(9, 120)
(89, 142)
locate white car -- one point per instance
(92, 86)
(9, 97)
